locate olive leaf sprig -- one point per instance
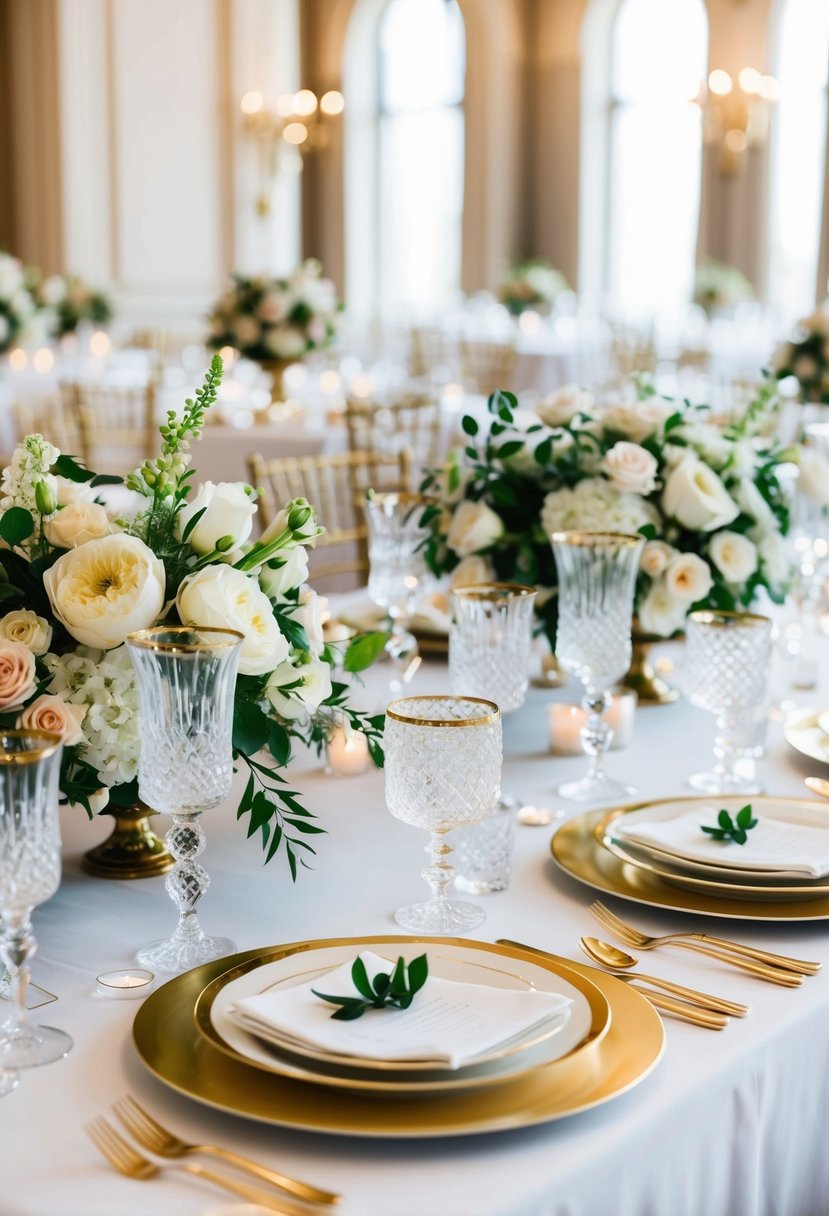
(395, 991)
(733, 829)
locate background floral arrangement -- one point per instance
(707, 499)
(719, 287)
(806, 356)
(532, 284)
(265, 318)
(17, 304)
(70, 300)
(77, 579)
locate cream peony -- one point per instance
(228, 512)
(562, 406)
(284, 572)
(298, 691)
(655, 556)
(228, 599)
(17, 674)
(630, 467)
(734, 555)
(26, 627)
(56, 715)
(474, 526)
(660, 613)
(76, 524)
(696, 498)
(106, 589)
(472, 570)
(688, 577)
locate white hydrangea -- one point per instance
(30, 464)
(595, 506)
(103, 682)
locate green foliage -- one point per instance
(388, 991)
(364, 650)
(736, 829)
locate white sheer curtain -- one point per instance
(798, 157)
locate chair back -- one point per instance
(116, 425)
(54, 419)
(411, 424)
(487, 366)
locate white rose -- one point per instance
(73, 491)
(228, 511)
(639, 420)
(563, 405)
(57, 716)
(227, 599)
(734, 555)
(77, 524)
(752, 502)
(106, 589)
(813, 476)
(775, 562)
(24, 626)
(286, 343)
(695, 496)
(53, 290)
(304, 533)
(285, 571)
(472, 570)
(630, 467)
(660, 613)
(688, 577)
(297, 691)
(709, 442)
(655, 556)
(310, 614)
(474, 526)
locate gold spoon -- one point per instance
(614, 959)
(818, 786)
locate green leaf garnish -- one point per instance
(736, 829)
(395, 991)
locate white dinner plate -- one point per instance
(803, 732)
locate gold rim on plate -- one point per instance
(168, 1045)
(577, 852)
(385, 1076)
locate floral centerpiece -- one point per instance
(718, 287)
(707, 499)
(79, 577)
(266, 318)
(70, 300)
(806, 356)
(17, 304)
(532, 284)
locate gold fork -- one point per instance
(699, 942)
(124, 1158)
(159, 1140)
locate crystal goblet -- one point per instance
(443, 771)
(727, 661)
(396, 571)
(186, 682)
(596, 581)
(30, 870)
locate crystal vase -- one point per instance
(186, 682)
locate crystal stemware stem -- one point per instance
(596, 735)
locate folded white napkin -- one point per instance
(772, 845)
(448, 1022)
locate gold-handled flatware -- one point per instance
(149, 1133)
(620, 963)
(128, 1161)
(777, 968)
(680, 1009)
(818, 785)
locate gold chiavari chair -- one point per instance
(54, 419)
(633, 351)
(412, 423)
(336, 484)
(116, 424)
(433, 353)
(487, 366)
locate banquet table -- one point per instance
(729, 1124)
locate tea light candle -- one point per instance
(347, 753)
(566, 722)
(125, 985)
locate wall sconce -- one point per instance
(736, 113)
(300, 124)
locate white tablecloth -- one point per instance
(730, 1124)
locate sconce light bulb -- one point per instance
(252, 102)
(295, 133)
(305, 103)
(332, 103)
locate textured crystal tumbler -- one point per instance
(596, 582)
(727, 660)
(490, 633)
(29, 875)
(186, 682)
(443, 771)
(396, 572)
(483, 853)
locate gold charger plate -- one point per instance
(578, 853)
(802, 732)
(170, 1047)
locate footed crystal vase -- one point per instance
(186, 682)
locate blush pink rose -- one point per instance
(55, 715)
(17, 674)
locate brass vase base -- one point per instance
(132, 850)
(643, 679)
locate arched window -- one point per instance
(798, 159)
(405, 167)
(647, 59)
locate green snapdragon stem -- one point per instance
(259, 554)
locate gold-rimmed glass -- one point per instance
(186, 681)
(596, 583)
(397, 571)
(30, 869)
(726, 671)
(443, 771)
